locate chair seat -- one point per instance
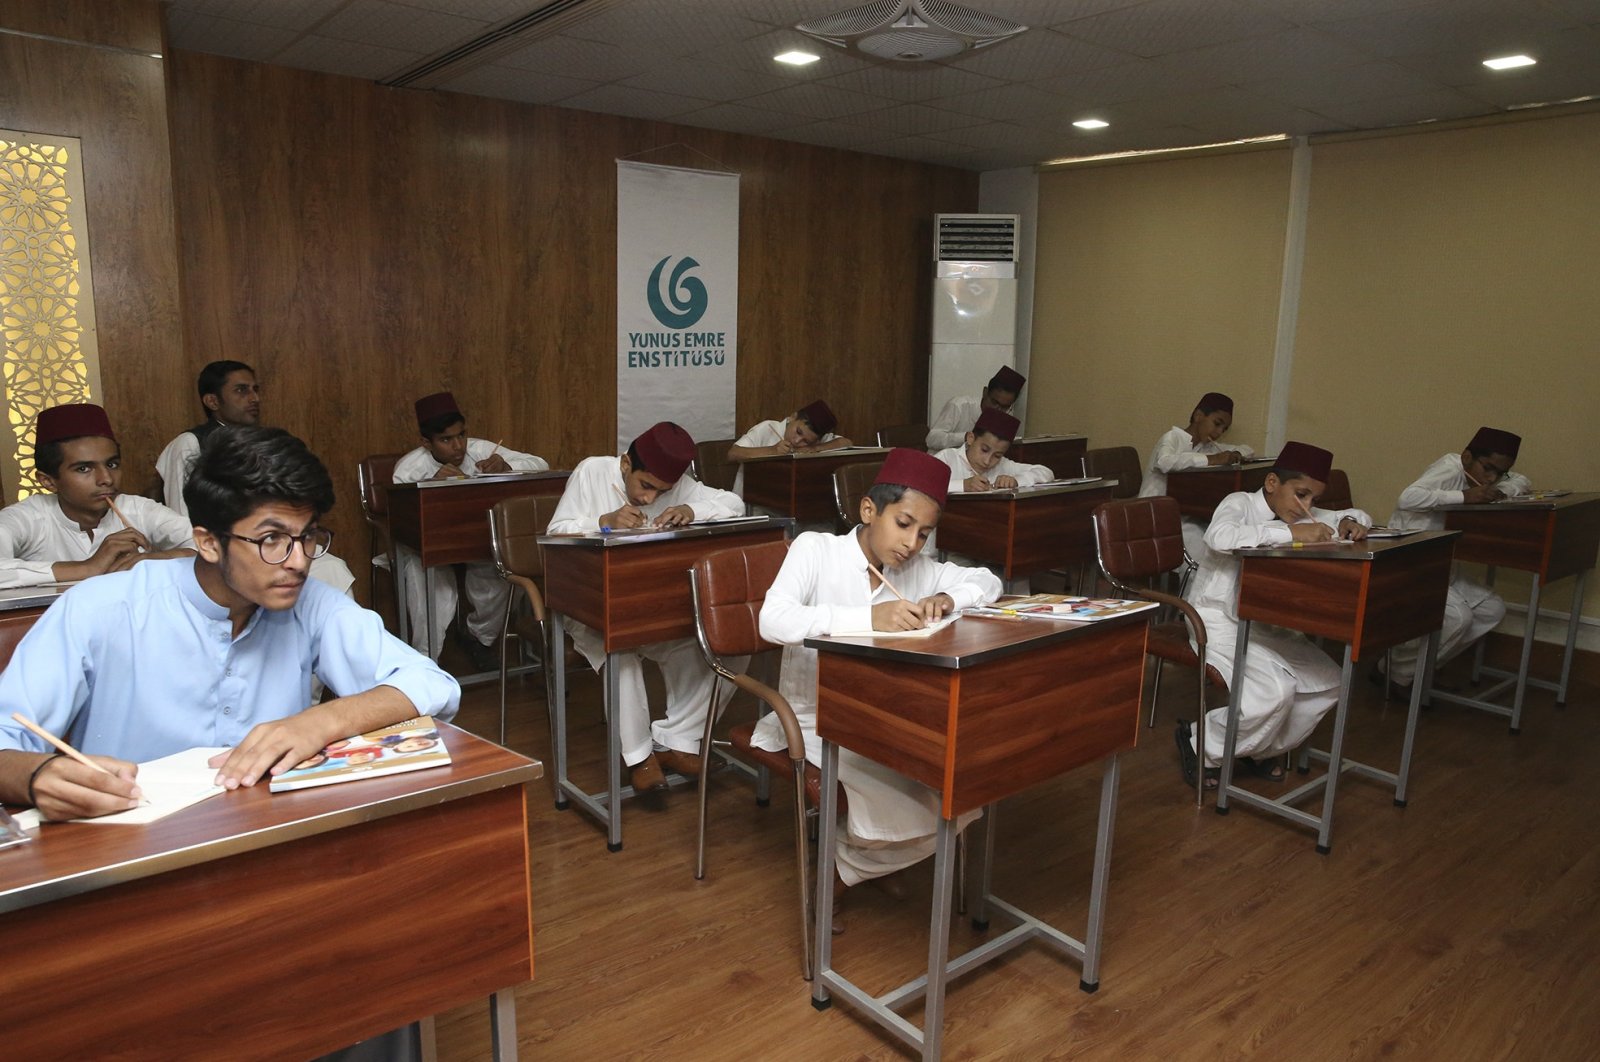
(1170, 641)
(778, 762)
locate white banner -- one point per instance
(677, 299)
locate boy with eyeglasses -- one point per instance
(1478, 474)
(215, 650)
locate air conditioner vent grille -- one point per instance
(976, 238)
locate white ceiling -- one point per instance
(1164, 73)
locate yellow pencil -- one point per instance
(118, 512)
(60, 745)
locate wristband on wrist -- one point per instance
(34, 777)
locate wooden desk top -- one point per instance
(40, 597)
(447, 520)
(1041, 490)
(1565, 501)
(1200, 490)
(1027, 529)
(801, 485)
(1344, 550)
(464, 482)
(71, 858)
(627, 538)
(972, 640)
(1551, 537)
(845, 452)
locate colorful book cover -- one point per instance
(1064, 607)
(413, 745)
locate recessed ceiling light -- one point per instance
(1509, 62)
(1091, 123)
(797, 58)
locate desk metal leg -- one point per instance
(991, 829)
(503, 1025)
(944, 859)
(1527, 657)
(613, 757)
(402, 614)
(1090, 981)
(558, 706)
(1572, 635)
(427, 1041)
(827, 830)
(1235, 692)
(1336, 753)
(1419, 683)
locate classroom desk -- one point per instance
(801, 485)
(634, 590)
(1033, 529)
(1550, 538)
(260, 925)
(978, 711)
(446, 521)
(1061, 454)
(1369, 595)
(1200, 490)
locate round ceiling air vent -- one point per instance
(911, 31)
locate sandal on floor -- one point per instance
(1270, 769)
(1190, 763)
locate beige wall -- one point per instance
(1157, 282)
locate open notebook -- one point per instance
(932, 628)
(170, 784)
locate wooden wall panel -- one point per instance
(362, 246)
(115, 103)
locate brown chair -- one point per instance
(850, 484)
(1120, 463)
(374, 474)
(1336, 494)
(515, 525)
(911, 436)
(1137, 541)
(711, 464)
(13, 626)
(728, 587)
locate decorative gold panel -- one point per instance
(46, 303)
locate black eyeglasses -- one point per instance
(276, 546)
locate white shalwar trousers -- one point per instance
(486, 593)
(1288, 686)
(1471, 610)
(689, 683)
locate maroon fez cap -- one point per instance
(918, 470)
(435, 405)
(69, 422)
(1490, 441)
(820, 417)
(1212, 401)
(1000, 425)
(666, 450)
(1310, 460)
(1008, 379)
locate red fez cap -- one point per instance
(1008, 379)
(1212, 401)
(666, 450)
(820, 417)
(1304, 458)
(435, 405)
(1487, 441)
(1000, 425)
(69, 422)
(918, 470)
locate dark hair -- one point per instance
(241, 468)
(214, 376)
(48, 458)
(1488, 451)
(1214, 407)
(635, 462)
(441, 423)
(884, 495)
(1286, 474)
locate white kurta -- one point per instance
(767, 433)
(595, 488)
(823, 588)
(35, 534)
(173, 466)
(1289, 684)
(486, 591)
(1177, 450)
(1471, 609)
(957, 417)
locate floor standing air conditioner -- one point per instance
(974, 303)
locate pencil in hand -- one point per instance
(62, 747)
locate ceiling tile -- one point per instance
(1140, 79)
(1316, 90)
(1494, 28)
(282, 14)
(505, 82)
(347, 57)
(1010, 103)
(707, 83)
(1442, 105)
(818, 101)
(1037, 54)
(494, 11)
(912, 119)
(665, 27)
(1294, 51)
(834, 134)
(1161, 27)
(197, 32)
(755, 53)
(1539, 84)
(912, 82)
(633, 103)
(570, 57)
(390, 25)
(736, 118)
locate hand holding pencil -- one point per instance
(75, 786)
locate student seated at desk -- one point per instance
(230, 396)
(649, 484)
(448, 453)
(827, 586)
(1288, 683)
(72, 532)
(1194, 447)
(807, 430)
(981, 464)
(1480, 473)
(959, 414)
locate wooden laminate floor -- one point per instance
(1462, 927)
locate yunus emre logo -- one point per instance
(687, 295)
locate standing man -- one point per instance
(447, 452)
(959, 414)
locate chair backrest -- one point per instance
(515, 525)
(1336, 495)
(1120, 463)
(850, 483)
(914, 436)
(711, 464)
(1138, 538)
(729, 587)
(374, 474)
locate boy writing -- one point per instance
(828, 585)
(1194, 447)
(807, 430)
(982, 464)
(1480, 473)
(959, 414)
(1288, 684)
(648, 485)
